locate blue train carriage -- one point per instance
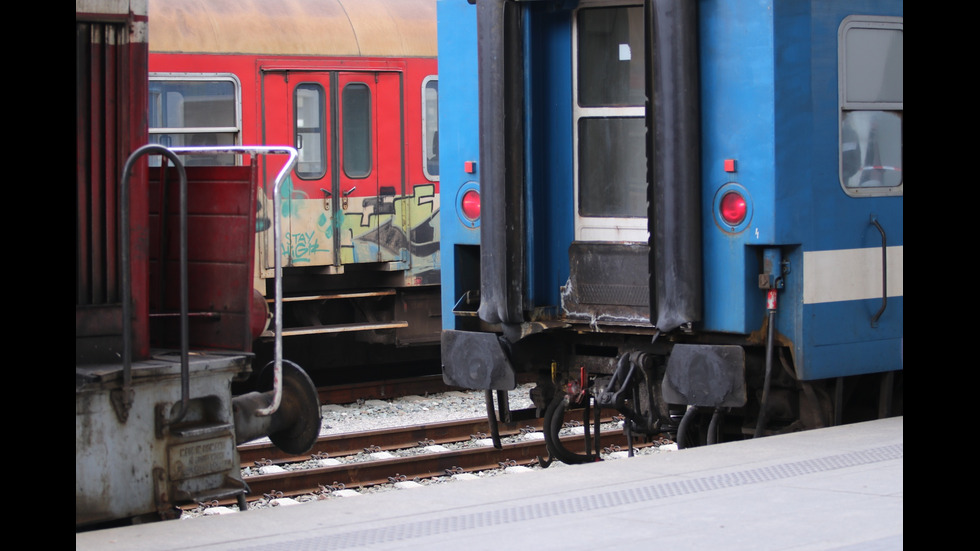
(690, 212)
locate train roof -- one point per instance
(386, 28)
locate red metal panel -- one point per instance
(221, 252)
(391, 168)
(98, 139)
(114, 55)
(82, 129)
(134, 127)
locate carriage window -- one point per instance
(357, 130)
(191, 111)
(610, 125)
(310, 131)
(430, 127)
(871, 106)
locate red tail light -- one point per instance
(733, 208)
(471, 204)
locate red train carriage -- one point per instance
(353, 86)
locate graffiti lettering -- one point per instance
(299, 247)
(425, 195)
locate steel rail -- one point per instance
(382, 471)
(337, 445)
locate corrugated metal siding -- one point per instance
(110, 122)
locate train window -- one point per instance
(190, 110)
(607, 149)
(310, 131)
(610, 130)
(430, 127)
(356, 128)
(610, 57)
(871, 105)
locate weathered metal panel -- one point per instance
(608, 282)
(144, 471)
(221, 224)
(110, 122)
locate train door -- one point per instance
(609, 258)
(370, 166)
(339, 200)
(296, 111)
(609, 128)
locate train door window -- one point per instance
(191, 110)
(610, 131)
(610, 57)
(871, 105)
(356, 130)
(430, 127)
(310, 131)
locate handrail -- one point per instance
(884, 272)
(277, 234)
(125, 402)
(126, 399)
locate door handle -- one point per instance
(345, 195)
(884, 272)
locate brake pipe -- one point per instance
(770, 338)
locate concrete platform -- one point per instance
(838, 488)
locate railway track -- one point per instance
(407, 453)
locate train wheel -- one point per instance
(554, 419)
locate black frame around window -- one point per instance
(356, 130)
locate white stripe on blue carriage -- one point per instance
(850, 274)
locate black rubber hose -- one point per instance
(549, 413)
(761, 423)
(492, 420)
(628, 429)
(554, 418)
(713, 426)
(597, 423)
(685, 426)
